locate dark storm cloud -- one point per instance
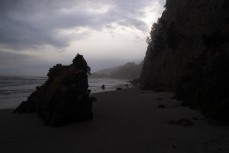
(27, 24)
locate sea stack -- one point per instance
(64, 97)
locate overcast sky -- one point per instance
(36, 34)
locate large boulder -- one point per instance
(64, 97)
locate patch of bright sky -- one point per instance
(114, 41)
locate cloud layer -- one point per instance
(32, 25)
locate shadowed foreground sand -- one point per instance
(126, 121)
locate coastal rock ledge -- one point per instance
(64, 97)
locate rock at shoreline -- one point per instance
(182, 122)
(64, 97)
(161, 106)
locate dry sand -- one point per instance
(126, 121)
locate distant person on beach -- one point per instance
(103, 86)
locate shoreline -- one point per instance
(128, 120)
(14, 92)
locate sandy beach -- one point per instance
(125, 121)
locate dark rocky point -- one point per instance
(103, 87)
(161, 106)
(64, 97)
(173, 97)
(182, 122)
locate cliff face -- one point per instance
(179, 38)
(188, 50)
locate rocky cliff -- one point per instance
(188, 53)
(64, 97)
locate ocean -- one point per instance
(14, 90)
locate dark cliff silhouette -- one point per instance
(64, 97)
(129, 71)
(188, 53)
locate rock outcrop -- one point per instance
(188, 53)
(64, 97)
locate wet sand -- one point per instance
(125, 121)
